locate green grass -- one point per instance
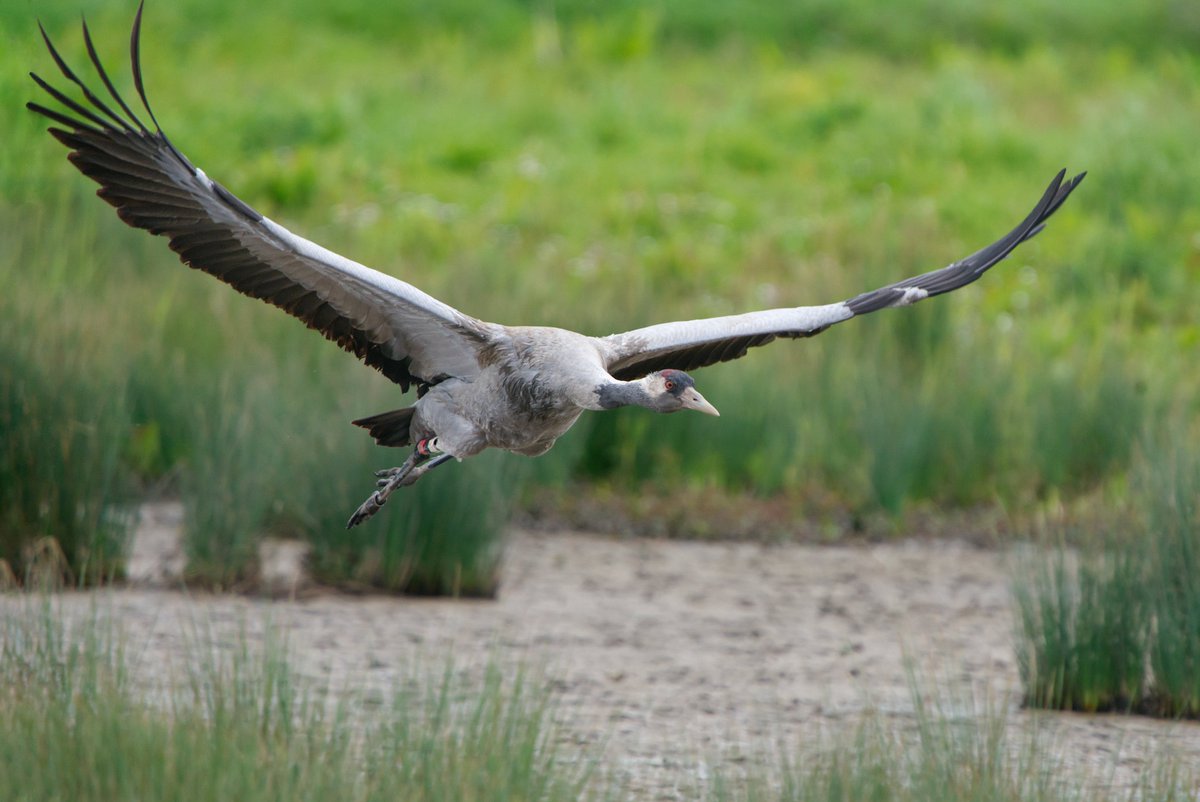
(603, 167)
(62, 487)
(624, 30)
(960, 748)
(441, 539)
(1114, 625)
(1171, 487)
(75, 723)
(81, 719)
(226, 480)
(1084, 627)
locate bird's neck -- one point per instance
(624, 394)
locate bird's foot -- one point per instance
(372, 505)
(394, 478)
(376, 500)
(390, 480)
(386, 475)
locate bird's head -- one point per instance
(673, 390)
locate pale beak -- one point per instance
(693, 400)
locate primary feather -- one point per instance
(408, 335)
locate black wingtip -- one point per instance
(73, 105)
(1059, 189)
(1062, 192)
(108, 84)
(54, 54)
(967, 270)
(135, 59)
(96, 103)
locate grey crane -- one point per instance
(479, 385)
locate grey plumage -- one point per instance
(479, 385)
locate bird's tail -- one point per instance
(390, 428)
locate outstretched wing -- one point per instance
(690, 344)
(408, 335)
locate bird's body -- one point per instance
(479, 385)
(533, 385)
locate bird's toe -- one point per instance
(366, 509)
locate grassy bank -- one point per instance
(83, 717)
(601, 169)
(240, 725)
(1115, 625)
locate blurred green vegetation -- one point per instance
(601, 166)
(1114, 624)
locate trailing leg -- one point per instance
(390, 482)
(424, 457)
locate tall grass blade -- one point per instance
(1171, 488)
(1083, 628)
(76, 724)
(230, 474)
(64, 492)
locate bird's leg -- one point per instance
(392, 479)
(423, 450)
(425, 468)
(429, 446)
(389, 482)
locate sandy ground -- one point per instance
(669, 655)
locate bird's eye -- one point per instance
(670, 385)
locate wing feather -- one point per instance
(691, 344)
(409, 336)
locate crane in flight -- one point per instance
(479, 385)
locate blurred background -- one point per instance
(603, 166)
